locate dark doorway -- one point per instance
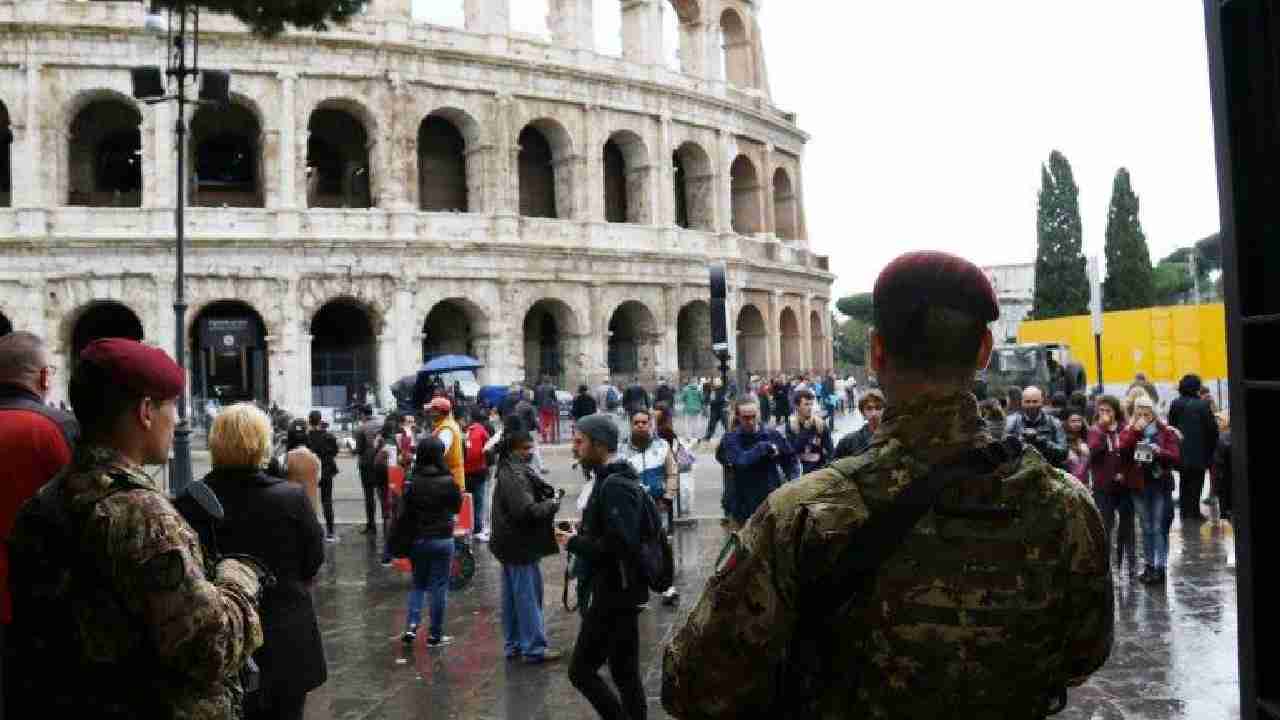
(693, 340)
(547, 327)
(631, 332)
(615, 184)
(228, 355)
(6, 142)
(6, 327)
(106, 319)
(451, 328)
(105, 156)
(225, 142)
(681, 189)
(442, 166)
(337, 161)
(343, 357)
(537, 176)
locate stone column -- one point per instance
(388, 368)
(768, 221)
(595, 343)
(773, 331)
(491, 17)
(663, 184)
(713, 50)
(572, 24)
(505, 170)
(642, 31)
(506, 341)
(592, 152)
(406, 356)
(806, 334)
(668, 333)
(723, 182)
(293, 156)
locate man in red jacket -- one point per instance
(476, 466)
(35, 442)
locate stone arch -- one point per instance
(104, 153)
(344, 359)
(373, 293)
(738, 49)
(229, 354)
(784, 206)
(789, 337)
(626, 178)
(745, 188)
(226, 155)
(632, 341)
(694, 187)
(549, 329)
(6, 163)
(339, 172)
(101, 319)
(753, 337)
(545, 170)
(693, 340)
(817, 341)
(447, 180)
(454, 326)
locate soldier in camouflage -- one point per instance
(993, 602)
(114, 615)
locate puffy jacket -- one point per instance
(477, 438)
(655, 466)
(431, 499)
(523, 529)
(452, 454)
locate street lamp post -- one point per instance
(148, 86)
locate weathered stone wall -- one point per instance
(482, 270)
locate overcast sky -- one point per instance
(930, 118)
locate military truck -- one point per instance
(1049, 366)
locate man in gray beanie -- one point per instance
(610, 587)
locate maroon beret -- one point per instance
(919, 280)
(146, 370)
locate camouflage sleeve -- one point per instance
(198, 628)
(1090, 604)
(723, 661)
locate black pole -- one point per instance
(180, 470)
(1097, 352)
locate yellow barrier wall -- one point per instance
(1163, 342)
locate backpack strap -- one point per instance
(884, 532)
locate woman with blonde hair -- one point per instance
(273, 520)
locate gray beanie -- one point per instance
(600, 429)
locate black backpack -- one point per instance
(653, 556)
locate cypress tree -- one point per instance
(1130, 278)
(1062, 283)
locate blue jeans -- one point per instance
(522, 625)
(479, 484)
(1152, 502)
(432, 559)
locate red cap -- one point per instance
(441, 406)
(917, 280)
(146, 370)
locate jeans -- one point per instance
(715, 417)
(522, 627)
(611, 636)
(477, 484)
(1191, 481)
(432, 559)
(375, 496)
(326, 501)
(1151, 502)
(1109, 505)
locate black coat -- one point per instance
(431, 499)
(635, 398)
(583, 405)
(665, 394)
(855, 442)
(325, 445)
(274, 521)
(1194, 419)
(609, 538)
(523, 526)
(782, 400)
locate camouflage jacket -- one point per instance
(170, 639)
(971, 617)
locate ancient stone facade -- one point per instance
(388, 191)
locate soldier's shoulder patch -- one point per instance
(732, 555)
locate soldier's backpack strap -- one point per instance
(884, 532)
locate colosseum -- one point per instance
(393, 189)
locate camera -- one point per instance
(564, 526)
(1143, 452)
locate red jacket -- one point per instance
(34, 449)
(474, 461)
(1167, 455)
(1109, 463)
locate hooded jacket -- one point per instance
(610, 537)
(431, 497)
(523, 529)
(1194, 419)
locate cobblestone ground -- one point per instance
(1174, 656)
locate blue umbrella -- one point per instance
(449, 363)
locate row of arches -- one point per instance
(105, 167)
(228, 342)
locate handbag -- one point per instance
(400, 539)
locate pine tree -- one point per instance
(1062, 284)
(1130, 278)
(269, 17)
